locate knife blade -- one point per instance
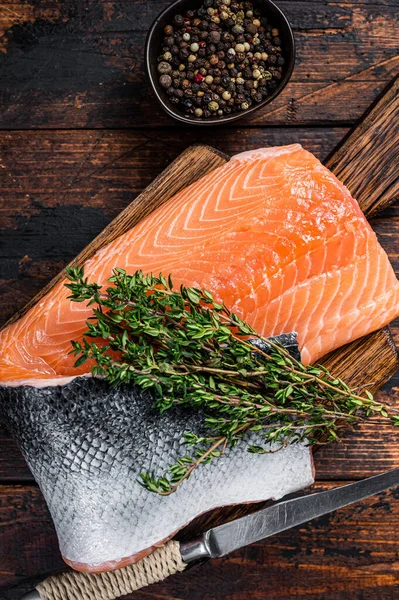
(282, 515)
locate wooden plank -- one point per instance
(348, 555)
(367, 161)
(66, 64)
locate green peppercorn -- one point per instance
(244, 105)
(213, 106)
(198, 112)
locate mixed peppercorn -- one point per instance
(220, 59)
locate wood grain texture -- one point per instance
(372, 148)
(349, 555)
(79, 63)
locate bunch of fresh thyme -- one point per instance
(191, 350)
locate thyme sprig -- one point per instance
(191, 350)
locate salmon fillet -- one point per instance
(273, 233)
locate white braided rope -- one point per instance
(160, 564)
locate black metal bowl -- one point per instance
(154, 44)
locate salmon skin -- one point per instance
(273, 233)
(86, 444)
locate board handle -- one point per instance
(73, 585)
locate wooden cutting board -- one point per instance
(365, 162)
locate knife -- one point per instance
(214, 543)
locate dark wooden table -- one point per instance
(80, 137)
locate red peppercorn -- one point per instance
(198, 78)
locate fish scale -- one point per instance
(87, 442)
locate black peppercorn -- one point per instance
(190, 14)
(251, 29)
(170, 91)
(214, 35)
(186, 103)
(179, 20)
(281, 61)
(165, 81)
(164, 68)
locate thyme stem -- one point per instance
(190, 350)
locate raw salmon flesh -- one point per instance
(273, 233)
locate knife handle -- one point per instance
(73, 585)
